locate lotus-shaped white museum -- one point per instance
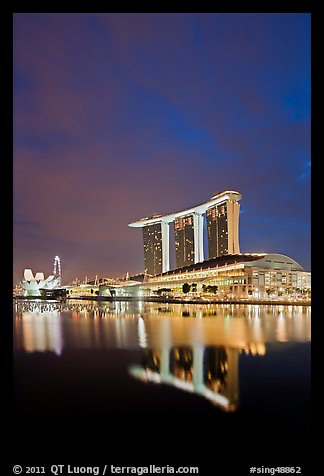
(31, 283)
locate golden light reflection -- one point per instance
(41, 325)
(195, 348)
(42, 333)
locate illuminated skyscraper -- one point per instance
(184, 241)
(152, 237)
(222, 212)
(222, 229)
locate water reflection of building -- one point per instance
(210, 372)
(195, 348)
(200, 354)
(140, 325)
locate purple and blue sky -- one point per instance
(120, 116)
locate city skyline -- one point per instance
(127, 115)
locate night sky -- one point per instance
(120, 116)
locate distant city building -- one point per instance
(222, 212)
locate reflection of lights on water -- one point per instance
(261, 349)
(119, 333)
(257, 312)
(257, 328)
(255, 349)
(142, 333)
(111, 324)
(281, 332)
(249, 311)
(42, 332)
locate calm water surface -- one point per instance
(217, 378)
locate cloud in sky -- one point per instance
(118, 116)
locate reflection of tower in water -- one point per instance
(215, 369)
(197, 354)
(181, 363)
(211, 372)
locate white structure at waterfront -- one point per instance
(37, 282)
(33, 284)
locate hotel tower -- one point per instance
(222, 216)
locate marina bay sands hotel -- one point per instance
(222, 217)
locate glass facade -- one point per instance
(217, 230)
(152, 237)
(184, 241)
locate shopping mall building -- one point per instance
(245, 275)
